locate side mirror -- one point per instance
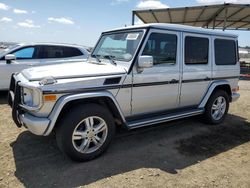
(9, 58)
(145, 61)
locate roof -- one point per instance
(52, 43)
(176, 27)
(221, 16)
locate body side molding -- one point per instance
(65, 99)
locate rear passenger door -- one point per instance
(197, 68)
(157, 88)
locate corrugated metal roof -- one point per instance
(176, 27)
(222, 16)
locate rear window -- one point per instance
(196, 50)
(225, 52)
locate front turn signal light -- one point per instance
(49, 98)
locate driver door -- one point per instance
(25, 58)
(157, 88)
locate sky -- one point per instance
(80, 21)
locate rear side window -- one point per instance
(71, 52)
(196, 50)
(50, 52)
(225, 52)
(162, 47)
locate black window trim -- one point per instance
(208, 52)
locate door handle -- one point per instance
(173, 81)
(207, 79)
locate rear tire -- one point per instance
(217, 107)
(85, 132)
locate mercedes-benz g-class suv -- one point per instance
(136, 76)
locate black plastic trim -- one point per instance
(110, 81)
(15, 105)
(79, 90)
(159, 113)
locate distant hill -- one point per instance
(6, 44)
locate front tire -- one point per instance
(217, 107)
(85, 132)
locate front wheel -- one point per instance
(217, 107)
(85, 132)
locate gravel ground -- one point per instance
(184, 153)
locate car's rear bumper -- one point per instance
(235, 96)
(36, 125)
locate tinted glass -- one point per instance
(162, 47)
(71, 52)
(196, 50)
(25, 53)
(48, 52)
(225, 52)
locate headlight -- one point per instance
(31, 97)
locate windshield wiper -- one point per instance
(97, 58)
(111, 58)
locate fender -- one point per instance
(210, 90)
(66, 99)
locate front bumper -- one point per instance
(36, 125)
(235, 96)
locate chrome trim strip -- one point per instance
(164, 119)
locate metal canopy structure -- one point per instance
(222, 16)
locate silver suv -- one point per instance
(136, 76)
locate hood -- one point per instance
(72, 70)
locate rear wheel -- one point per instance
(217, 107)
(85, 132)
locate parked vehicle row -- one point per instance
(136, 76)
(21, 56)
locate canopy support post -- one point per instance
(133, 18)
(225, 20)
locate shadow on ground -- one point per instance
(169, 147)
(3, 97)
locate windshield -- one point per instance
(118, 46)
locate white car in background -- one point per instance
(22, 56)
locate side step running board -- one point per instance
(163, 118)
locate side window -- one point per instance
(50, 52)
(225, 52)
(71, 52)
(162, 47)
(196, 50)
(25, 53)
